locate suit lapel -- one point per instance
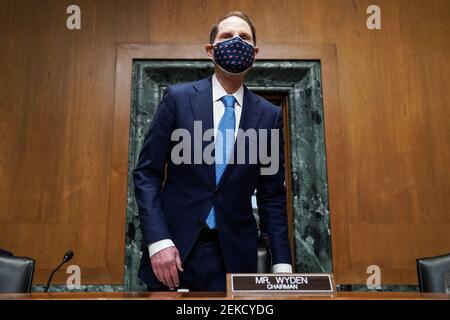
(202, 109)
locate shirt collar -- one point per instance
(218, 91)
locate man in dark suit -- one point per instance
(196, 216)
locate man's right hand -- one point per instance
(165, 264)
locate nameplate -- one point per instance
(296, 282)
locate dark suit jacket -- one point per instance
(175, 201)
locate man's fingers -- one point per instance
(161, 275)
(157, 270)
(167, 278)
(174, 275)
(178, 261)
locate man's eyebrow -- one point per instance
(232, 30)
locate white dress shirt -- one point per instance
(218, 110)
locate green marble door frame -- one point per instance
(300, 81)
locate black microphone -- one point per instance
(67, 256)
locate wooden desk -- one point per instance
(221, 296)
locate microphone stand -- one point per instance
(67, 257)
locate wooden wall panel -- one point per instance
(389, 201)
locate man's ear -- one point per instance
(209, 48)
(256, 51)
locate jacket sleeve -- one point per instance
(149, 173)
(271, 201)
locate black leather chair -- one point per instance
(433, 272)
(5, 252)
(16, 274)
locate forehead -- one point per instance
(234, 24)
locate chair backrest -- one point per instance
(433, 272)
(5, 252)
(16, 274)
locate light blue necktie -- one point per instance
(224, 146)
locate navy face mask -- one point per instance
(234, 55)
